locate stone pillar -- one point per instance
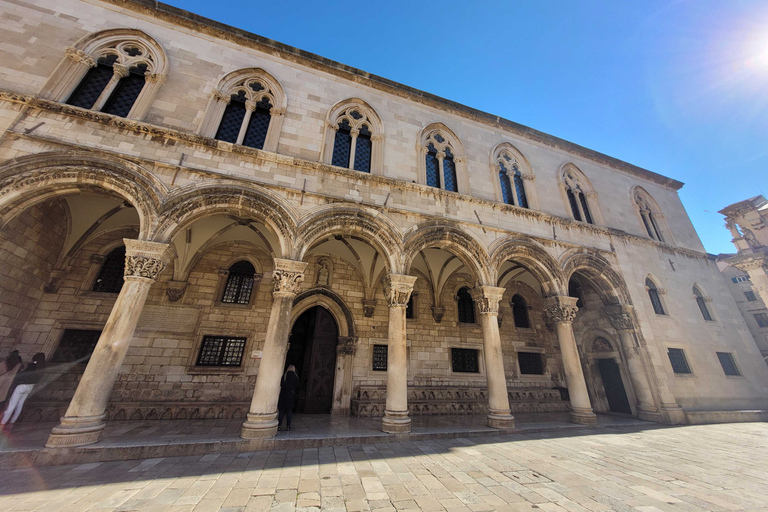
(621, 319)
(499, 414)
(261, 421)
(118, 73)
(85, 416)
(395, 421)
(561, 311)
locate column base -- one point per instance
(396, 422)
(76, 431)
(501, 420)
(259, 426)
(673, 415)
(583, 416)
(649, 415)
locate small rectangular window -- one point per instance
(221, 351)
(740, 279)
(465, 360)
(762, 319)
(530, 363)
(678, 361)
(728, 364)
(380, 358)
(750, 296)
(76, 346)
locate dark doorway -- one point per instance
(614, 387)
(313, 351)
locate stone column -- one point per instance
(118, 73)
(561, 311)
(398, 289)
(261, 421)
(85, 416)
(621, 319)
(499, 414)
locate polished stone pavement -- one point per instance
(633, 468)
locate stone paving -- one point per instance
(694, 468)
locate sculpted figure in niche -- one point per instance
(323, 274)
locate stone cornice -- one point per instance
(241, 37)
(140, 127)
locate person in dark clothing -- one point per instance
(24, 382)
(288, 387)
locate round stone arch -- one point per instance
(535, 258)
(598, 272)
(195, 202)
(377, 230)
(439, 235)
(32, 179)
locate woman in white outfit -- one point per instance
(25, 382)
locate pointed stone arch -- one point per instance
(598, 271)
(518, 160)
(579, 196)
(358, 114)
(534, 257)
(432, 134)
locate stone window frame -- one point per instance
(241, 80)
(661, 293)
(739, 373)
(450, 140)
(342, 111)
(545, 377)
(51, 343)
(473, 295)
(83, 56)
(570, 177)
(528, 310)
(522, 165)
(750, 296)
(692, 373)
(480, 375)
(703, 300)
(223, 273)
(382, 374)
(192, 368)
(649, 215)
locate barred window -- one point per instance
(433, 167)
(465, 360)
(520, 312)
(354, 133)
(221, 351)
(449, 172)
(76, 346)
(379, 360)
(466, 306)
(531, 363)
(93, 84)
(126, 92)
(258, 125)
(440, 159)
(239, 283)
(110, 278)
(762, 319)
(728, 364)
(232, 121)
(342, 146)
(653, 294)
(363, 150)
(750, 296)
(678, 361)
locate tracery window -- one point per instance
(110, 277)
(115, 71)
(702, 303)
(578, 193)
(466, 306)
(653, 295)
(440, 164)
(520, 312)
(239, 284)
(354, 137)
(649, 213)
(511, 180)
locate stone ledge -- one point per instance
(742, 416)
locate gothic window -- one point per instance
(76, 346)
(511, 179)
(653, 294)
(728, 364)
(221, 351)
(117, 72)
(239, 283)
(248, 112)
(678, 361)
(578, 192)
(702, 303)
(649, 213)
(354, 137)
(110, 278)
(440, 160)
(530, 363)
(466, 306)
(577, 291)
(520, 312)
(465, 360)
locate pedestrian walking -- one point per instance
(24, 381)
(288, 386)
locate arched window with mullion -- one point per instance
(574, 205)
(342, 146)
(239, 284)
(520, 312)
(522, 201)
(126, 92)
(258, 125)
(93, 84)
(466, 306)
(449, 172)
(506, 184)
(232, 120)
(433, 167)
(653, 295)
(585, 206)
(363, 150)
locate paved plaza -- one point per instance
(706, 467)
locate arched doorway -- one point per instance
(606, 372)
(313, 351)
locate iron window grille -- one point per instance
(76, 346)
(239, 283)
(342, 145)
(93, 84)
(433, 167)
(678, 361)
(531, 363)
(110, 278)
(221, 351)
(379, 360)
(762, 319)
(465, 360)
(728, 364)
(258, 125)
(126, 92)
(232, 120)
(750, 296)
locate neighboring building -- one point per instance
(209, 206)
(750, 304)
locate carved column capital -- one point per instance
(155, 78)
(144, 260)
(277, 111)
(561, 309)
(347, 345)
(529, 177)
(80, 56)
(354, 132)
(621, 317)
(487, 299)
(398, 288)
(120, 71)
(250, 105)
(221, 96)
(288, 276)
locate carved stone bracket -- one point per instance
(98, 259)
(488, 298)
(288, 276)
(80, 56)
(54, 281)
(437, 313)
(621, 317)
(144, 260)
(398, 288)
(369, 306)
(560, 309)
(347, 345)
(175, 290)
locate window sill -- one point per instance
(214, 370)
(685, 375)
(227, 305)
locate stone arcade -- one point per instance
(195, 207)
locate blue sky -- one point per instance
(676, 87)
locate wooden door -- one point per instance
(322, 366)
(613, 385)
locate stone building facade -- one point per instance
(188, 208)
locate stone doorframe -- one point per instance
(345, 350)
(591, 354)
